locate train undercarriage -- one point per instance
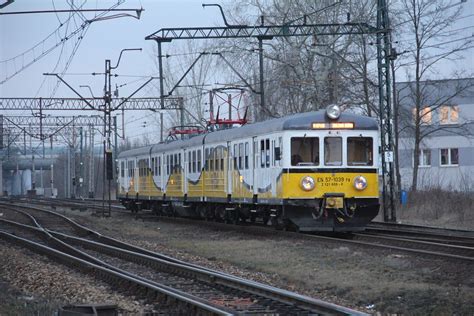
(329, 214)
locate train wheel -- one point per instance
(155, 209)
(201, 211)
(220, 213)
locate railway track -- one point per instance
(447, 244)
(455, 249)
(423, 233)
(193, 287)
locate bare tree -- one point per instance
(428, 23)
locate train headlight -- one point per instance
(307, 183)
(360, 183)
(333, 111)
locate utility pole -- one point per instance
(33, 171)
(52, 169)
(73, 163)
(81, 165)
(108, 152)
(384, 51)
(162, 89)
(91, 162)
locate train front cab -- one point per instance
(330, 182)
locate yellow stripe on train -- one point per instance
(328, 183)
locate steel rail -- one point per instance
(256, 288)
(210, 275)
(51, 238)
(255, 229)
(187, 303)
(272, 231)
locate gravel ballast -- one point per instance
(370, 280)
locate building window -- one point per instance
(424, 116)
(425, 158)
(448, 114)
(449, 157)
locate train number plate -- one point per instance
(333, 182)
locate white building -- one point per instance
(447, 129)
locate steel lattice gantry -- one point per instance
(267, 32)
(244, 31)
(42, 128)
(51, 121)
(81, 104)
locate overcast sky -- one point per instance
(103, 40)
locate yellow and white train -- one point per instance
(315, 171)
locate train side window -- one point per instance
(360, 151)
(222, 158)
(122, 165)
(267, 152)
(235, 157)
(159, 165)
(167, 164)
(194, 161)
(189, 162)
(171, 164)
(211, 159)
(262, 153)
(246, 155)
(272, 152)
(333, 151)
(279, 150)
(241, 154)
(216, 159)
(199, 160)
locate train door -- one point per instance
(248, 163)
(135, 174)
(184, 171)
(255, 165)
(229, 168)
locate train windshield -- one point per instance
(333, 151)
(305, 151)
(360, 151)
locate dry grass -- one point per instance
(439, 208)
(374, 281)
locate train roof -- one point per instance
(300, 121)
